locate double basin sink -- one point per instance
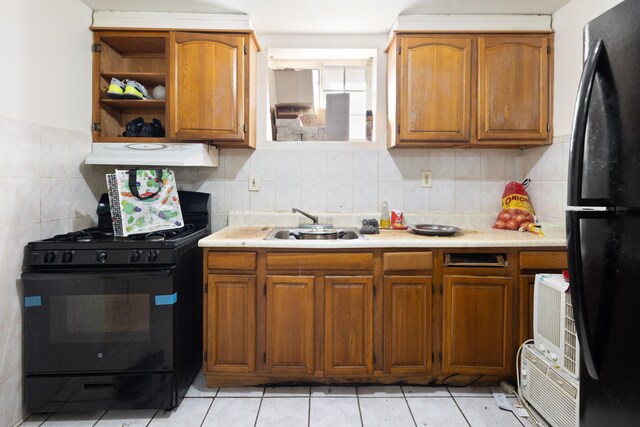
(315, 233)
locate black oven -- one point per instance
(114, 323)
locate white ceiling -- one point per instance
(331, 16)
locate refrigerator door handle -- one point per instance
(578, 133)
(578, 297)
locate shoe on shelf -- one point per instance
(134, 90)
(134, 127)
(153, 129)
(116, 89)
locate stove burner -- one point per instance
(84, 238)
(155, 237)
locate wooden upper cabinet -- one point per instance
(435, 88)
(513, 88)
(290, 324)
(348, 319)
(207, 72)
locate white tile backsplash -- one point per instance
(265, 199)
(493, 165)
(442, 163)
(339, 165)
(287, 195)
(237, 165)
(416, 197)
(415, 161)
(339, 196)
(390, 165)
(365, 165)
(467, 196)
(236, 195)
(365, 196)
(467, 166)
(313, 165)
(23, 148)
(313, 196)
(441, 196)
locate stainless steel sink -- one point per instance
(306, 234)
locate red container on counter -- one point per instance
(397, 220)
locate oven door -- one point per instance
(105, 321)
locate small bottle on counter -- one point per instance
(385, 218)
(369, 129)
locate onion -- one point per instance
(521, 218)
(504, 216)
(512, 224)
(530, 218)
(524, 226)
(500, 225)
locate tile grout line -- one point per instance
(459, 408)
(408, 407)
(208, 410)
(264, 389)
(154, 415)
(359, 408)
(100, 417)
(309, 411)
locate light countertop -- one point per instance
(253, 237)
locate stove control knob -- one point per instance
(152, 257)
(67, 257)
(134, 256)
(49, 257)
(101, 257)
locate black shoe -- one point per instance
(134, 127)
(153, 129)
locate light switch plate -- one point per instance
(254, 183)
(425, 179)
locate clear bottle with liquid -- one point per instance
(385, 217)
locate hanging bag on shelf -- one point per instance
(143, 201)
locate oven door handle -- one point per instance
(100, 274)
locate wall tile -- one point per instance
(237, 165)
(552, 163)
(217, 190)
(54, 198)
(468, 165)
(390, 165)
(236, 195)
(53, 228)
(339, 196)
(288, 165)
(22, 200)
(340, 165)
(365, 196)
(4, 308)
(14, 304)
(4, 355)
(415, 161)
(86, 194)
(491, 196)
(552, 201)
(15, 240)
(365, 165)
(566, 150)
(314, 165)
(287, 195)
(441, 197)
(4, 246)
(442, 165)
(3, 146)
(22, 147)
(531, 163)
(416, 198)
(218, 221)
(13, 355)
(513, 161)
(393, 193)
(313, 196)
(54, 152)
(265, 163)
(81, 222)
(265, 199)
(14, 400)
(214, 174)
(467, 196)
(3, 402)
(493, 165)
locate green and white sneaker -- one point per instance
(134, 90)
(116, 89)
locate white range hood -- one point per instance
(153, 154)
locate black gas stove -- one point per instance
(114, 322)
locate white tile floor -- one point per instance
(330, 406)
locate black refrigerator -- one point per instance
(603, 219)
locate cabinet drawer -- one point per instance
(543, 260)
(231, 260)
(407, 261)
(313, 261)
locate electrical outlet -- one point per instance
(425, 179)
(254, 183)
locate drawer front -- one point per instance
(543, 260)
(316, 261)
(407, 261)
(231, 260)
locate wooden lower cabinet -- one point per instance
(348, 330)
(477, 325)
(526, 306)
(407, 324)
(290, 325)
(230, 310)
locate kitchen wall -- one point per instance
(45, 110)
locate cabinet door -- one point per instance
(231, 323)
(348, 327)
(513, 88)
(407, 324)
(290, 331)
(478, 325)
(435, 88)
(207, 77)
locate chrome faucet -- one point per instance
(311, 217)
